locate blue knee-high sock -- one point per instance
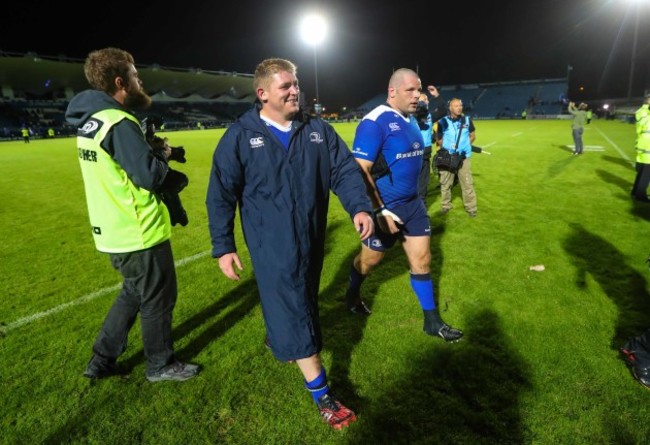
(423, 288)
(356, 279)
(318, 386)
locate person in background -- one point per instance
(279, 165)
(456, 133)
(577, 125)
(25, 133)
(642, 178)
(427, 113)
(388, 147)
(590, 115)
(129, 221)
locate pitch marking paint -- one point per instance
(88, 297)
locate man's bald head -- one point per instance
(400, 76)
(404, 89)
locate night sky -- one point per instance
(469, 42)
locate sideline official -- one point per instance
(642, 178)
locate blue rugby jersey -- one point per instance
(399, 139)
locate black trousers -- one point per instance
(425, 173)
(149, 288)
(641, 181)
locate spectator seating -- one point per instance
(502, 100)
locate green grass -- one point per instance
(538, 363)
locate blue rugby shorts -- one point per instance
(416, 223)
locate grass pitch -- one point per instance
(538, 363)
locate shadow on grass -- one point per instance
(557, 167)
(564, 147)
(609, 178)
(342, 330)
(465, 393)
(239, 302)
(640, 209)
(620, 161)
(622, 284)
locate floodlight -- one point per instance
(313, 30)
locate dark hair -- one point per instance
(102, 66)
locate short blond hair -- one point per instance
(269, 67)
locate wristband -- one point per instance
(383, 211)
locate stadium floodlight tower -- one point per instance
(637, 13)
(313, 30)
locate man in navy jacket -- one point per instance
(279, 167)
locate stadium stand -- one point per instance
(549, 98)
(36, 90)
(501, 100)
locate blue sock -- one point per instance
(318, 386)
(423, 288)
(356, 279)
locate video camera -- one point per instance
(174, 181)
(421, 111)
(159, 145)
(169, 191)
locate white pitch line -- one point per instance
(91, 296)
(189, 259)
(512, 136)
(621, 152)
(587, 147)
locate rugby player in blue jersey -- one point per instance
(388, 147)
